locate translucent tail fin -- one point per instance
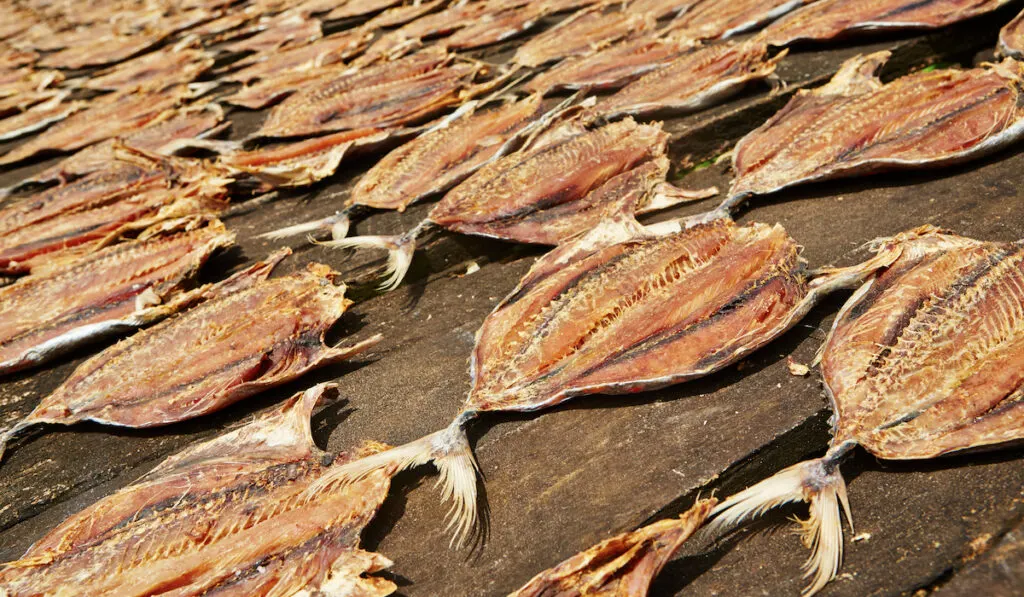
(337, 225)
(400, 251)
(449, 451)
(817, 482)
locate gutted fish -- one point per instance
(288, 29)
(211, 356)
(661, 8)
(106, 292)
(103, 50)
(155, 70)
(495, 27)
(856, 125)
(697, 79)
(920, 362)
(40, 116)
(229, 516)
(623, 566)
(411, 36)
(713, 19)
(580, 34)
(323, 52)
(1011, 38)
(831, 19)
(400, 15)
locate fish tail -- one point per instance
(817, 482)
(337, 225)
(7, 434)
(400, 252)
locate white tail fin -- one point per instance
(449, 451)
(337, 225)
(667, 195)
(8, 434)
(400, 251)
(817, 482)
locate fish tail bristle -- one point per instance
(399, 260)
(458, 481)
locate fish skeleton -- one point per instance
(210, 356)
(832, 19)
(623, 566)
(855, 125)
(229, 516)
(155, 70)
(712, 19)
(106, 292)
(695, 80)
(580, 34)
(1011, 38)
(921, 361)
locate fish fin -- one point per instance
(449, 450)
(668, 195)
(337, 224)
(817, 482)
(400, 252)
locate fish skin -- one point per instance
(70, 304)
(856, 125)
(229, 516)
(580, 35)
(694, 80)
(382, 95)
(155, 70)
(712, 19)
(443, 157)
(611, 67)
(824, 20)
(623, 566)
(1011, 38)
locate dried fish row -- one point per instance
(921, 361)
(580, 34)
(155, 70)
(230, 516)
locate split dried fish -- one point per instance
(323, 52)
(209, 357)
(580, 34)
(390, 94)
(348, 9)
(286, 30)
(411, 36)
(107, 292)
(495, 27)
(433, 162)
(400, 15)
(856, 125)
(623, 566)
(661, 8)
(698, 79)
(611, 67)
(28, 80)
(831, 19)
(547, 192)
(229, 516)
(712, 19)
(102, 51)
(272, 89)
(1011, 38)
(40, 116)
(155, 70)
(622, 309)
(920, 362)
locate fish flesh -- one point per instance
(40, 116)
(100, 51)
(712, 19)
(921, 361)
(329, 50)
(384, 95)
(104, 118)
(1011, 38)
(832, 19)
(544, 193)
(110, 291)
(286, 30)
(696, 80)
(580, 34)
(622, 309)
(611, 67)
(134, 193)
(433, 162)
(155, 70)
(495, 27)
(623, 566)
(209, 357)
(855, 125)
(228, 516)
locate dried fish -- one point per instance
(109, 291)
(921, 362)
(831, 19)
(1011, 38)
(285, 30)
(434, 162)
(547, 192)
(211, 356)
(857, 125)
(28, 80)
(495, 27)
(580, 34)
(385, 95)
(693, 81)
(329, 50)
(623, 566)
(100, 51)
(400, 15)
(622, 309)
(348, 9)
(610, 67)
(712, 19)
(39, 116)
(661, 8)
(155, 70)
(196, 525)
(105, 118)
(403, 40)
(272, 89)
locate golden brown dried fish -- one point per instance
(411, 36)
(109, 291)
(713, 19)
(923, 360)
(229, 516)
(832, 19)
(661, 8)
(1011, 38)
(323, 52)
(495, 27)
(623, 566)
(287, 29)
(40, 116)
(580, 34)
(100, 51)
(155, 70)
(400, 15)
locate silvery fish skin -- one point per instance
(700, 78)
(1011, 38)
(712, 19)
(623, 566)
(856, 125)
(580, 34)
(112, 290)
(155, 70)
(923, 360)
(210, 356)
(831, 19)
(230, 516)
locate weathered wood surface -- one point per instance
(561, 481)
